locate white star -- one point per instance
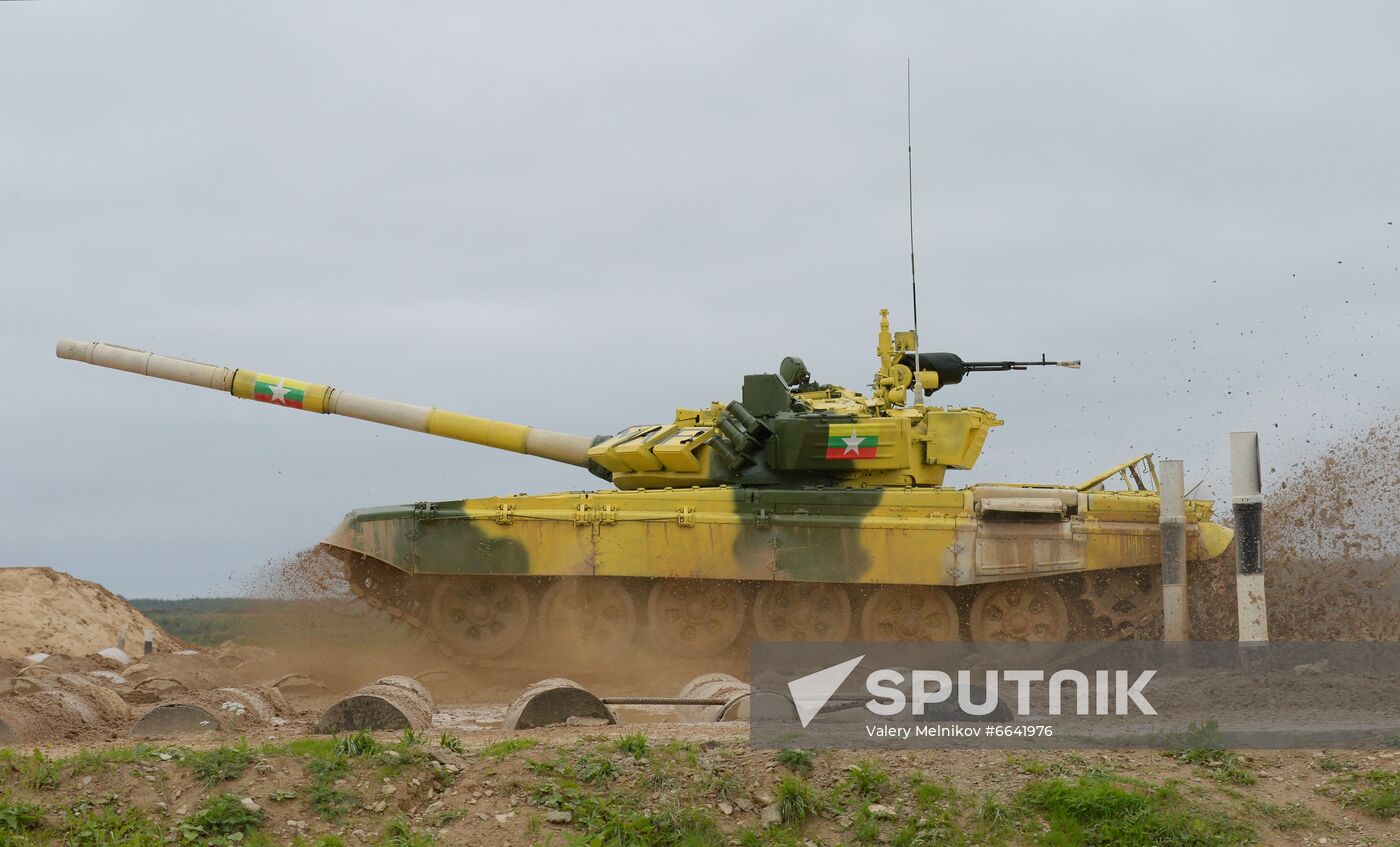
(852, 444)
(279, 392)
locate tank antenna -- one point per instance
(913, 278)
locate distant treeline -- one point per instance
(208, 621)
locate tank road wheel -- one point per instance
(587, 613)
(1024, 610)
(370, 580)
(1122, 600)
(695, 618)
(802, 611)
(909, 613)
(481, 617)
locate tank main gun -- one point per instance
(315, 397)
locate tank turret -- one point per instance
(785, 429)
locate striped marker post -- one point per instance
(1248, 502)
(1175, 621)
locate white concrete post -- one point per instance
(1248, 502)
(150, 642)
(1175, 622)
(121, 639)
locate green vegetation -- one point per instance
(325, 798)
(796, 800)
(501, 749)
(400, 834)
(208, 621)
(797, 761)
(1120, 813)
(360, 743)
(450, 742)
(220, 764)
(1203, 745)
(220, 818)
(37, 771)
(107, 827)
(1377, 793)
(634, 744)
(17, 816)
(866, 780)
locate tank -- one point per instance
(801, 510)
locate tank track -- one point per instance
(1114, 605)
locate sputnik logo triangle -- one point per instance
(810, 692)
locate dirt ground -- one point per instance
(45, 610)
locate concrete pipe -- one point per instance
(555, 701)
(714, 686)
(394, 702)
(218, 710)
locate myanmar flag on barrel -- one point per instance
(283, 392)
(852, 441)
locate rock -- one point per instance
(770, 816)
(116, 654)
(744, 804)
(880, 811)
(504, 816)
(249, 804)
(558, 816)
(388, 790)
(726, 808)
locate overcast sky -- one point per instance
(584, 215)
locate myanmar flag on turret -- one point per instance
(852, 441)
(283, 392)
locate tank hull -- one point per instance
(687, 572)
(941, 536)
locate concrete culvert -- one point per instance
(175, 719)
(394, 702)
(219, 710)
(555, 701)
(714, 686)
(61, 705)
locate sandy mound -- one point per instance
(44, 610)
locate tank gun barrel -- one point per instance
(314, 397)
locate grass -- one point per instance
(866, 780)
(360, 743)
(1119, 813)
(797, 761)
(399, 833)
(221, 763)
(1377, 793)
(325, 798)
(796, 800)
(37, 771)
(502, 749)
(1202, 745)
(451, 743)
(635, 745)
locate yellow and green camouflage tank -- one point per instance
(799, 511)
